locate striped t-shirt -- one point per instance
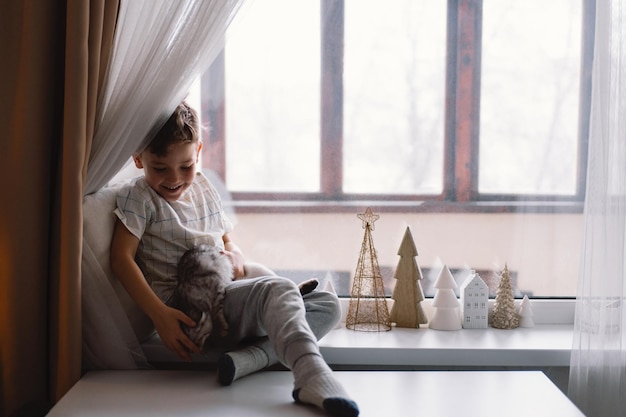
(166, 229)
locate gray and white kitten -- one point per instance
(203, 274)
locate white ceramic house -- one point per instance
(474, 302)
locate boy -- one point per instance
(173, 207)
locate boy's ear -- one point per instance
(198, 151)
(137, 159)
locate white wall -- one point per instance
(544, 249)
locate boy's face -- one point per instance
(173, 173)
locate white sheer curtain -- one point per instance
(598, 364)
(161, 47)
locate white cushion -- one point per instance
(98, 224)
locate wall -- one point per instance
(544, 249)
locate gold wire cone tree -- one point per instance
(368, 310)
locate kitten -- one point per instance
(203, 274)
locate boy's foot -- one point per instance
(234, 365)
(315, 384)
(326, 393)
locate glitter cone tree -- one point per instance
(368, 310)
(504, 315)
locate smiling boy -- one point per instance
(173, 207)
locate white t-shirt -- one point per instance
(167, 229)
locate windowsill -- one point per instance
(547, 344)
(539, 346)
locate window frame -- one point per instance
(461, 130)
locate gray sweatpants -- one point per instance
(270, 312)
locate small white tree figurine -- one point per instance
(446, 314)
(504, 315)
(526, 313)
(330, 287)
(407, 309)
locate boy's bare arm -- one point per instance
(234, 254)
(166, 319)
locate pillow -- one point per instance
(98, 224)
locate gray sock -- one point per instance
(315, 384)
(236, 364)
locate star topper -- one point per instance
(368, 218)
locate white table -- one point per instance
(378, 393)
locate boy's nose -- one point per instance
(173, 177)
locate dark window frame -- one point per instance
(461, 130)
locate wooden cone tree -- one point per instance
(504, 315)
(407, 309)
(367, 309)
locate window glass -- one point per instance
(394, 81)
(530, 88)
(394, 86)
(272, 63)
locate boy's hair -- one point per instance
(181, 127)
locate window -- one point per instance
(465, 119)
(529, 97)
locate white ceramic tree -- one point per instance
(526, 313)
(446, 307)
(330, 287)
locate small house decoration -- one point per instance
(407, 309)
(446, 314)
(367, 310)
(526, 313)
(504, 315)
(474, 302)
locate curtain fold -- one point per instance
(598, 362)
(84, 61)
(160, 48)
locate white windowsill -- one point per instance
(540, 346)
(547, 344)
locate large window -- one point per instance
(452, 109)
(413, 100)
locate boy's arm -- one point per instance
(166, 319)
(234, 254)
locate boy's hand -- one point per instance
(167, 324)
(237, 260)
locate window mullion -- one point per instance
(589, 18)
(213, 114)
(331, 108)
(467, 99)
